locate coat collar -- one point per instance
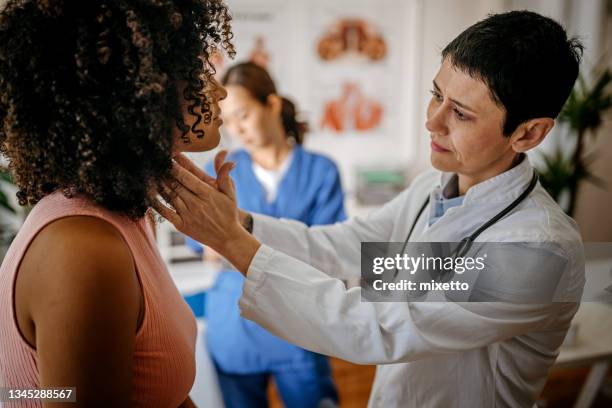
(501, 188)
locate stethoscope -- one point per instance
(466, 243)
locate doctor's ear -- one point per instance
(275, 103)
(530, 134)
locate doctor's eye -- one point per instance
(460, 115)
(436, 95)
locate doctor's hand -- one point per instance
(205, 209)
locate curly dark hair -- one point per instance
(89, 93)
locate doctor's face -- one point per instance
(247, 118)
(466, 127)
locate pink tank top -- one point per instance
(164, 356)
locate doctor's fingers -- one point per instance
(219, 160)
(188, 202)
(170, 193)
(190, 166)
(226, 185)
(190, 182)
(168, 214)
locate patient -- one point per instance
(95, 97)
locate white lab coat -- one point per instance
(429, 354)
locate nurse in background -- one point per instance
(275, 176)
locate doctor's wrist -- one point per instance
(246, 220)
(240, 249)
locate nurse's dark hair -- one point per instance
(260, 85)
(90, 92)
(526, 60)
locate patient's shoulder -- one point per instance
(73, 257)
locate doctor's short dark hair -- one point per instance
(90, 92)
(526, 60)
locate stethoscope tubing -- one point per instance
(466, 243)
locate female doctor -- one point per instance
(500, 86)
(275, 176)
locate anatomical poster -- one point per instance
(355, 57)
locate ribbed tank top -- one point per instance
(164, 355)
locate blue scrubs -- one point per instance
(244, 353)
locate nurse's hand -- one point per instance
(205, 209)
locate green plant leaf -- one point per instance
(4, 203)
(5, 175)
(555, 173)
(586, 105)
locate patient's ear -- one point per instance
(529, 134)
